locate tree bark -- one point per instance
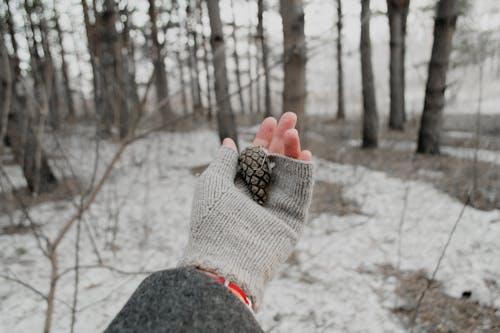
(265, 56)
(111, 61)
(64, 67)
(103, 114)
(370, 116)
(12, 34)
(193, 82)
(249, 62)
(340, 69)
(432, 116)
(225, 116)
(236, 58)
(206, 63)
(194, 34)
(294, 90)
(26, 147)
(161, 82)
(6, 84)
(396, 12)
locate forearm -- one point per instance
(183, 300)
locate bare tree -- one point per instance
(295, 57)
(161, 82)
(6, 84)
(64, 66)
(191, 48)
(265, 55)
(432, 116)
(225, 116)
(340, 69)
(103, 114)
(206, 63)
(370, 116)
(250, 41)
(397, 12)
(236, 58)
(42, 63)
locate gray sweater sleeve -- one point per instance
(183, 300)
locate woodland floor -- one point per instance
(378, 225)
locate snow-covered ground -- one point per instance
(140, 220)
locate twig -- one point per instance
(438, 264)
(24, 284)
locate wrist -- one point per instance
(233, 287)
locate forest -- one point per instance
(111, 109)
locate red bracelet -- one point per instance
(237, 291)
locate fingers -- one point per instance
(287, 121)
(292, 143)
(305, 155)
(228, 142)
(265, 133)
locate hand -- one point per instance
(281, 138)
(233, 236)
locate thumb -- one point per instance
(228, 142)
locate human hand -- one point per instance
(233, 236)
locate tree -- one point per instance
(295, 57)
(370, 116)
(432, 116)
(64, 66)
(236, 57)
(397, 12)
(225, 116)
(161, 82)
(112, 65)
(16, 126)
(265, 55)
(192, 51)
(206, 64)
(340, 70)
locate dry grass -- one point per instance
(439, 312)
(449, 174)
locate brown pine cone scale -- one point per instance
(256, 171)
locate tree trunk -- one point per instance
(182, 80)
(161, 81)
(370, 117)
(6, 84)
(294, 90)
(111, 61)
(340, 69)
(249, 62)
(432, 116)
(396, 12)
(236, 58)
(195, 98)
(129, 70)
(13, 41)
(194, 34)
(207, 66)
(49, 69)
(64, 67)
(225, 116)
(103, 114)
(265, 52)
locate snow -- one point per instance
(140, 221)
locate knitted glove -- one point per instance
(236, 238)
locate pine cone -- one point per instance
(256, 171)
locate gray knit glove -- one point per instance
(235, 237)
